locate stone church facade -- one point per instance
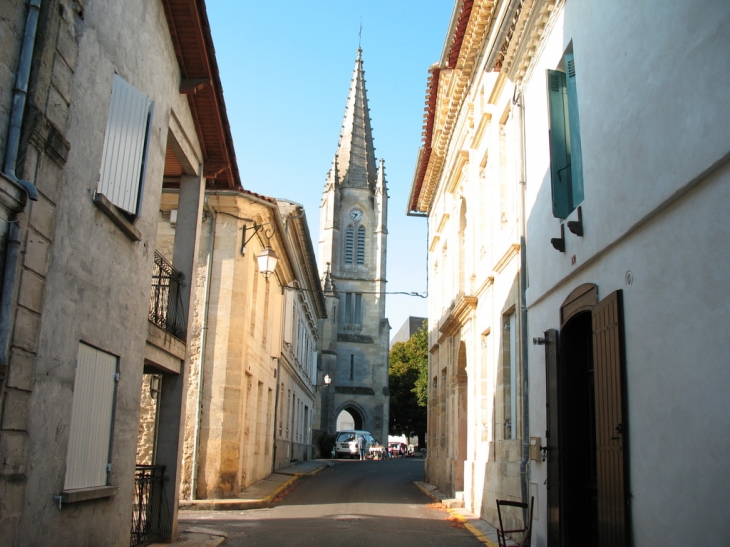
(352, 257)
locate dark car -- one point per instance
(397, 449)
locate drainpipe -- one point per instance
(11, 158)
(203, 340)
(518, 102)
(19, 95)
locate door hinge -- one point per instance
(116, 376)
(109, 468)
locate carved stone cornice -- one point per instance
(459, 315)
(451, 92)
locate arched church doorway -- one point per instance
(349, 418)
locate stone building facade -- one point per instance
(583, 212)
(467, 185)
(253, 373)
(352, 258)
(78, 248)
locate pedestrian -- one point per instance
(361, 446)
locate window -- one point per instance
(361, 246)
(353, 308)
(566, 163)
(92, 414)
(349, 243)
(126, 143)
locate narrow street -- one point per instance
(351, 504)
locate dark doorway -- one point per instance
(580, 510)
(588, 484)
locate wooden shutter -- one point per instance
(611, 427)
(125, 146)
(560, 171)
(552, 437)
(576, 155)
(288, 315)
(89, 440)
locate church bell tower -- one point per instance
(352, 253)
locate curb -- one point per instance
(238, 504)
(475, 532)
(458, 517)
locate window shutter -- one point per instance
(349, 243)
(560, 170)
(361, 246)
(576, 156)
(91, 419)
(611, 430)
(552, 436)
(125, 146)
(288, 316)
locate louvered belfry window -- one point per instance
(126, 143)
(349, 244)
(361, 246)
(92, 412)
(566, 163)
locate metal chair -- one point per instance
(526, 530)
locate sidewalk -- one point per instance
(482, 530)
(258, 495)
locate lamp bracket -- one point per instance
(256, 228)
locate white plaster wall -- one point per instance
(654, 111)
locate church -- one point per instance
(352, 256)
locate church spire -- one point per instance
(355, 152)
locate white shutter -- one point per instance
(124, 145)
(91, 419)
(288, 316)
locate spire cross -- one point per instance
(359, 35)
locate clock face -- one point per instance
(356, 214)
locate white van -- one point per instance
(346, 443)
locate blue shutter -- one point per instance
(125, 146)
(559, 144)
(576, 157)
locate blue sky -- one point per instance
(286, 68)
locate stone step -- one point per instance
(453, 503)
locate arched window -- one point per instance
(361, 246)
(349, 244)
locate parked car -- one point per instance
(346, 443)
(397, 449)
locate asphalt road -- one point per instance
(352, 504)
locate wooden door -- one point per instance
(611, 427)
(552, 436)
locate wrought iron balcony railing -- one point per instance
(166, 307)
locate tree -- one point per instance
(408, 377)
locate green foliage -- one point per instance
(408, 377)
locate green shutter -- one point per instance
(559, 144)
(576, 157)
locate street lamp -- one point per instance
(267, 260)
(327, 381)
